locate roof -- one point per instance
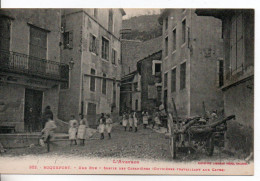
(220, 13)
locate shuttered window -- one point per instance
(183, 31)
(166, 46)
(68, 40)
(236, 43)
(38, 42)
(105, 48)
(173, 80)
(174, 40)
(5, 24)
(93, 45)
(92, 80)
(183, 76)
(114, 54)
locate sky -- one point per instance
(138, 11)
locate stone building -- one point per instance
(238, 80)
(131, 95)
(30, 68)
(149, 69)
(192, 61)
(130, 92)
(91, 40)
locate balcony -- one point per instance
(33, 66)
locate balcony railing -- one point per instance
(21, 63)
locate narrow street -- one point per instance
(144, 144)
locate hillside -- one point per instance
(142, 28)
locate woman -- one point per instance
(109, 123)
(125, 120)
(102, 121)
(82, 132)
(135, 121)
(145, 119)
(131, 121)
(73, 128)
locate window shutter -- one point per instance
(90, 42)
(70, 39)
(97, 46)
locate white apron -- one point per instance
(131, 121)
(72, 133)
(145, 120)
(135, 122)
(101, 128)
(125, 122)
(82, 132)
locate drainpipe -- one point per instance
(189, 60)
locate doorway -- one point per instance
(91, 115)
(32, 110)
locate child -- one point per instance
(125, 120)
(135, 121)
(145, 119)
(131, 121)
(73, 128)
(48, 131)
(109, 125)
(102, 121)
(157, 121)
(82, 132)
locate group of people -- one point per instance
(130, 120)
(105, 124)
(77, 130)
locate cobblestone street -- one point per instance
(144, 144)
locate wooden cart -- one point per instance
(191, 135)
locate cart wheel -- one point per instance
(172, 144)
(210, 145)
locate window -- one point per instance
(110, 20)
(166, 46)
(114, 56)
(5, 24)
(93, 45)
(156, 69)
(236, 43)
(95, 12)
(65, 74)
(183, 76)
(38, 42)
(166, 23)
(183, 31)
(173, 79)
(105, 48)
(174, 40)
(165, 80)
(68, 40)
(104, 84)
(220, 73)
(92, 80)
(91, 109)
